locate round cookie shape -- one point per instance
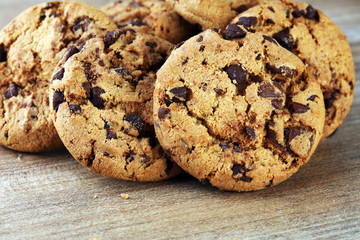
(318, 42)
(30, 47)
(101, 104)
(240, 113)
(154, 17)
(210, 13)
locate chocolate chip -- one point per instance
(351, 85)
(152, 138)
(267, 90)
(271, 137)
(258, 57)
(204, 62)
(285, 39)
(202, 48)
(6, 135)
(298, 108)
(137, 22)
(237, 73)
(251, 132)
(70, 51)
(247, 22)
(311, 13)
(224, 146)
(200, 39)
(287, 13)
(96, 99)
(241, 169)
(90, 74)
(237, 149)
(112, 37)
(234, 31)
(270, 39)
(312, 98)
(271, 9)
(58, 98)
(129, 156)
(181, 93)
(3, 53)
(215, 30)
(179, 45)
(12, 91)
(277, 103)
(294, 132)
(185, 61)
(270, 184)
(219, 91)
(151, 44)
(59, 75)
(283, 70)
(329, 99)
(101, 63)
(163, 113)
(136, 122)
(269, 21)
(298, 13)
(110, 134)
(74, 108)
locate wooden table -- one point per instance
(51, 196)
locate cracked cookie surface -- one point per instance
(154, 17)
(101, 105)
(210, 13)
(30, 47)
(237, 111)
(318, 42)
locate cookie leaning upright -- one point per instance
(318, 42)
(238, 111)
(30, 47)
(154, 17)
(101, 104)
(210, 13)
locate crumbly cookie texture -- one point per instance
(154, 17)
(237, 111)
(101, 104)
(30, 47)
(318, 42)
(210, 13)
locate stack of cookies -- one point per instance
(238, 93)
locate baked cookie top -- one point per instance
(101, 105)
(237, 111)
(318, 42)
(30, 47)
(210, 13)
(154, 17)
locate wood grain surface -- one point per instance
(51, 196)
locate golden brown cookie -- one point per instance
(30, 47)
(101, 105)
(318, 42)
(154, 17)
(210, 13)
(237, 111)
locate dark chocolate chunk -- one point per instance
(110, 134)
(75, 109)
(215, 30)
(3, 53)
(270, 184)
(234, 31)
(202, 48)
(58, 98)
(151, 44)
(59, 75)
(101, 63)
(283, 70)
(136, 122)
(237, 73)
(311, 13)
(247, 22)
(6, 135)
(267, 90)
(163, 113)
(224, 146)
(241, 169)
(287, 13)
(81, 23)
(294, 132)
(204, 62)
(129, 156)
(258, 57)
(137, 22)
(329, 99)
(12, 91)
(181, 93)
(96, 99)
(152, 138)
(271, 137)
(237, 149)
(219, 91)
(112, 37)
(270, 39)
(271, 9)
(122, 72)
(269, 21)
(285, 39)
(251, 132)
(298, 13)
(185, 61)
(298, 108)
(70, 51)
(200, 39)
(277, 103)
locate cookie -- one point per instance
(318, 42)
(210, 13)
(237, 111)
(30, 47)
(101, 105)
(154, 17)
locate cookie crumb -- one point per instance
(94, 238)
(19, 157)
(95, 196)
(334, 201)
(124, 196)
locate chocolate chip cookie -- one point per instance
(30, 47)
(318, 42)
(210, 13)
(237, 111)
(154, 17)
(101, 105)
